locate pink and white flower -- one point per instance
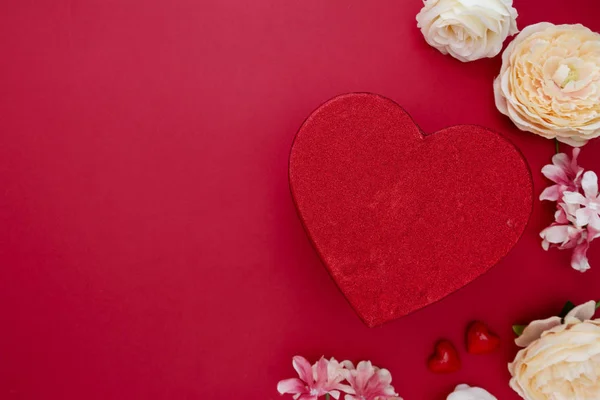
(565, 173)
(314, 381)
(577, 217)
(590, 203)
(571, 237)
(330, 378)
(368, 382)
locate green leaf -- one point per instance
(566, 309)
(597, 305)
(518, 329)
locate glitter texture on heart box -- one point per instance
(400, 218)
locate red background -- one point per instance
(149, 247)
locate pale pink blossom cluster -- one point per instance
(577, 218)
(331, 378)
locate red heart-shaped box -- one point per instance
(401, 218)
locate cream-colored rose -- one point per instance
(466, 392)
(549, 83)
(467, 29)
(564, 362)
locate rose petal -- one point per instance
(466, 392)
(583, 312)
(534, 330)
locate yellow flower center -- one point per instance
(573, 75)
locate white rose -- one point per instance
(467, 29)
(549, 83)
(466, 392)
(561, 360)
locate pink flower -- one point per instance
(565, 173)
(562, 236)
(577, 217)
(322, 378)
(571, 237)
(590, 203)
(368, 382)
(565, 213)
(328, 377)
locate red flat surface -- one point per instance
(149, 246)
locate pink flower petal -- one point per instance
(347, 365)
(384, 376)
(561, 215)
(579, 259)
(335, 394)
(589, 183)
(562, 161)
(593, 232)
(584, 215)
(534, 330)
(583, 312)
(545, 245)
(551, 193)
(576, 152)
(574, 198)
(346, 388)
(291, 386)
(568, 212)
(304, 369)
(364, 371)
(575, 236)
(322, 375)
(594, 223)
(555, 234)
(554, 173)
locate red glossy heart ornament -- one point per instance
(445, 359)
(402, 219)
(480, 340)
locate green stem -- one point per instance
(557, 146)
(327, 396)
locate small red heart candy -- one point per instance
(480, 340)
(445, 360)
